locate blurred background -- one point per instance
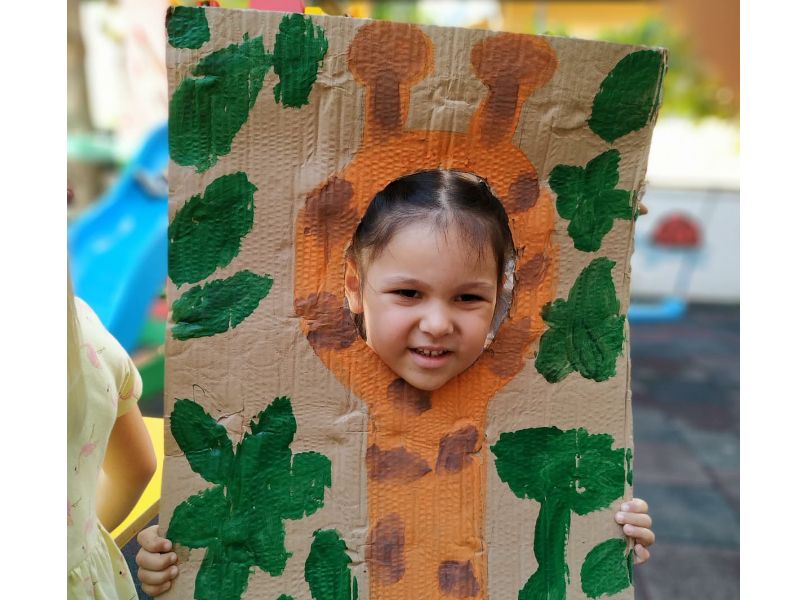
(684, 313)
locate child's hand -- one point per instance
(157, 566)
(637, 524)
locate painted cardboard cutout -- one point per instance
(368, 486)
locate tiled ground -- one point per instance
(686, 431)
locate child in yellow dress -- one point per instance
(110, 457)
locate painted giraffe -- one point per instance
(426, 457)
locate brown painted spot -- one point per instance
(532, 272)
(523, 193)
(384, 552)
(328, 214)
(397, 464)
(407, 397)
(509, 347)
(383, 56)
(456, 449)
(330, 325)
(330, 201)
(456, 578)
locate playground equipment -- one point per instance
(118, 247)
(678, 235)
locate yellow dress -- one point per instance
(95, 566)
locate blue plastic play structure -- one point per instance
(118, 247)
(667, 310)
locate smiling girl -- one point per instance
(425, 271)
(425, 282)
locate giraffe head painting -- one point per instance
(298, 463)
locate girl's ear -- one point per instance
(352, 287)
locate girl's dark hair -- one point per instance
(442, 198)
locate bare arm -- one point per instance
(128, 466)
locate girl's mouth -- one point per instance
(426, 358)
(430, 353)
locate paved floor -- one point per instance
(686, 431)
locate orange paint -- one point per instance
(426, 489)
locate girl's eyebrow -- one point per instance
(401, 280)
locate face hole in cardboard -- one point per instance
(388, 228)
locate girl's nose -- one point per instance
(436, 321)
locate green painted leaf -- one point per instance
(586, 332)
(287, 491)
(259, 460)
(264, 460)
(242, 523)
(206, 232)
(218, 305)
(299, 49)
(565, 471)
(606, 570)
(327, 569)
(629, 96)
(549, 581)
(587, 198)
(285, 597)
(187, 27)
(305, 494)
(577, 468)
(208, 108)
(196, 521)
(278, 420)
(267, 541)
(204, 441)
(223, 574)
(568, 183)
(553, 359)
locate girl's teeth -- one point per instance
(431, 352)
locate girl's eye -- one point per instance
(407, 293)
(470, 298)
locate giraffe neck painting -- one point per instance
(397, 365)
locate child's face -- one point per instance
(428, 304)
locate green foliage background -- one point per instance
(690, 88)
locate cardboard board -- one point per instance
(296, 462)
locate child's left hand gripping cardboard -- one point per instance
(297, 464)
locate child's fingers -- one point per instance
(156, 578)
(644, 536)
(636, 505)
(640, 554)
(155, 561)
(638, 519)
(152, 542)
(156, 590)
